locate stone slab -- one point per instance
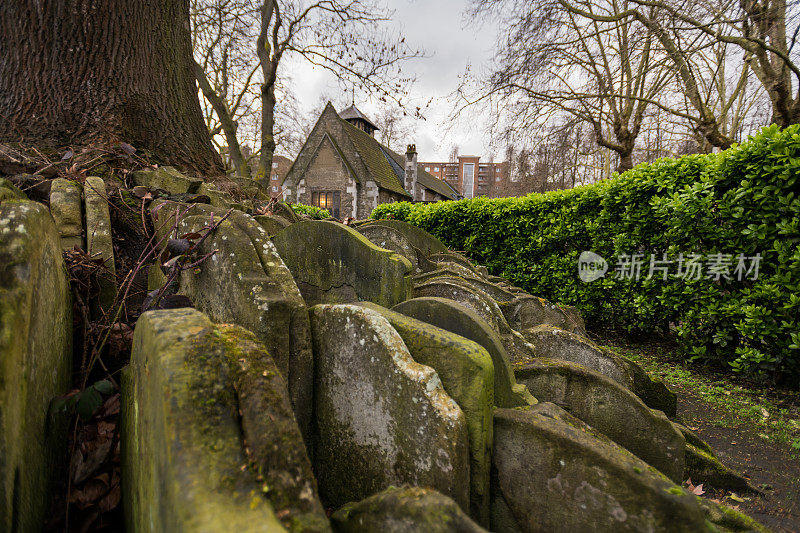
(35, 361)
(381, 419)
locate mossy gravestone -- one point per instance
(467, 375)
(65, 206)
(609, 408)
(99, 242)
(333, 263)
(555, 474)
(245, 282)
(404, 510)
(208, 437)
(451, 316)
(35, 360)
(381, 419)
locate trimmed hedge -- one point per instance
(317, 213)
(745, 200)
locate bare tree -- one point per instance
(761, 29)
(393, 126)
(556, 63)
(454, 151)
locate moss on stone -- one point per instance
(556, 475)
(184, 468)
(450, 316)
(608, 407)
(404, 510)
(35, 361)
(704, 467)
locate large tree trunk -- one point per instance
(76, 72)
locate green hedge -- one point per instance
(317, 213)
(742, 201)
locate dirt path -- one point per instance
(766, 464)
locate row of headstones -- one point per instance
(331, 263)
(350, 412)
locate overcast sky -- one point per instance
(440, 28)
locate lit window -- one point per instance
(275, 188)
(427, 169)
(327, 200)
(436, 169)
(497, 178)
(274, 165)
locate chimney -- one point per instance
(411, 172)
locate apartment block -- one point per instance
(471, 177)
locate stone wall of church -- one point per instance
(327, 173)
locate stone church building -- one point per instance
(344, 169)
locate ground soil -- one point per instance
(765, 463)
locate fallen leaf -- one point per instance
(698, 490)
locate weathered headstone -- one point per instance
(245, 282)
(192, 393)
(554, 343)
(381, 419)
(390, 239)
(65, 206)
(554, 474)
(610, 408)
(35, 361)
(333, 263)
(168, 179)
(272, 224)
(404, 510)
(419, 238)
(467, 375)
(99, 242)
(451, 316)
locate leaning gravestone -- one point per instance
(390, 239)
(555, 474)
(208, 438)
(99, 241)
(381, 419)
(65, 206)
(451, 316)
(554, 343)
(247, 283)
(35, 360)
(333, 263)
(609, 408)
(404, 510)
(423, 241)
(467, 375)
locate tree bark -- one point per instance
(75, 73)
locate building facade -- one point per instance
(280, 168)
(472, 178)
(344, 169)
